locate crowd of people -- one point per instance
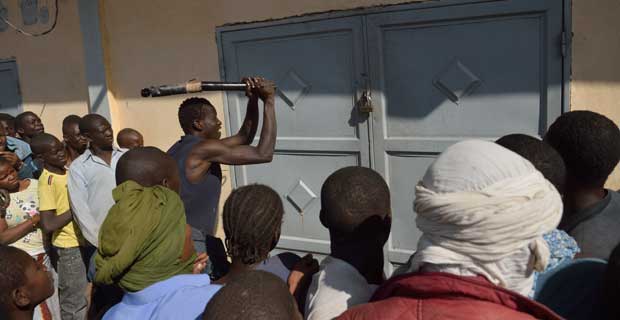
(519, 228)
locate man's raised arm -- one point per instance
(216, 151)
(249, 127)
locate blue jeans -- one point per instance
(72, 284)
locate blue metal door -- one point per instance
(437, 72)
(443, 74)
(10, 98)
(318, 68)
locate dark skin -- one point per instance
(38, 287)
(130, 140)
(101, 138)
(10, 183)
(235, 150)
(9, 128)
(363, 248)
(8, 155)
(54, 160)
(31, 125)
(75, 142)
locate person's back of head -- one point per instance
(252, 223)
(355, 207)
(589, 143)
(253, 295)
(544, 157)
(129, 138)
(148, 166)
(23, 283)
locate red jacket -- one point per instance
(426, 296)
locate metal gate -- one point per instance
(436, 73)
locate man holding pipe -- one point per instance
(200, 152)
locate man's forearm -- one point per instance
(250, 123)
(268, 133)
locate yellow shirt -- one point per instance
(53, 195)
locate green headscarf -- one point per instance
(142, 238)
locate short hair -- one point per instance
(19, 120)
(589, 143)
(543, 156)
(352, 196)
(71, 119)
(148, 166)
(13, 264)
(124, 134)
(7, 117)
(41, 142)
(252, 295)
(87, 121)
(252, 221)
(192, 109)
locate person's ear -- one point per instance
(20, 297)
(165, 183)
(198, 125)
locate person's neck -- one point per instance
(55, 169)
(199, 134)
(366, 260)
(20, 314)
(26, 139)
(72, 154)
(579, 199)
(236, 268)
(106, 155)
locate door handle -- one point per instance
(365, 102)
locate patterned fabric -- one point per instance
(25, 204)
(562, 247)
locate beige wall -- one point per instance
(595, 79)
(159, 41)
(51, 67)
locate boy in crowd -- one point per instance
(24, 284)
(355, 207)
(27, 125)
(74, 142)
(146, 246)
(129, 138)
(91, 177)
(589, 143)
(7, 121)
(254, 294)
(56, 218)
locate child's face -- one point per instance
(39, 282)
(55, 155)
(8, 177)
(8, 127)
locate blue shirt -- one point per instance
(90, 184)
(22, 150)
(562, 248)
(180, 297)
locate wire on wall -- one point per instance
(26, 33)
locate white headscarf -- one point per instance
(483, 210)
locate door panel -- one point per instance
(445, 74)
(10, 98)
(317, 67)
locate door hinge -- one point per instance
(565, 43)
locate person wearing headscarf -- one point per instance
(145, 245)
(483, 211)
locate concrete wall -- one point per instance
(51, 67)
(595, 83)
